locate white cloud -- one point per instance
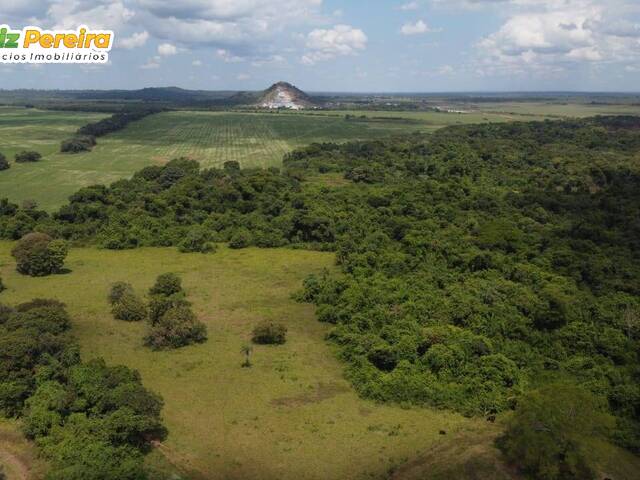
(243, 77)
(240, 23)
(273, 60)
(196, 63)
(415, 28)
(228, 57)
(558, 35)
(166, 49)
(326, 44)
(134, 41)
(152, 63)
(410, 6)
(95, 14)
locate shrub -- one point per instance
(27, 156)
(129, 308)
(118, 289)
(37, 254)
(240, 239)
(166, 284)
(196, 240)
(160, 304)
(80, 143)
(177, 328)
(2, 287)
(548, 433)
(269, 333)
(4, 163)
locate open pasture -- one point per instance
(291, 416)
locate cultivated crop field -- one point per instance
(254, 140)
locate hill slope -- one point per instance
(284, 95)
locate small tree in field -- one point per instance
(172, 322)
(4, 164)
(117, 291)
(129, 308)
(27, 156)
(246, 351)
(269, 333)
(166, 284)
(547, 435)
(37, 254)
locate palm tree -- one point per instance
(246, 350)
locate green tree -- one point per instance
(269, 333)
(177, 328)
(28, 156)
(117, 291)
(37, 254)
(129, 308)
(4, 163)
(548, 433)
(166, 284)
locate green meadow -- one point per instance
(291, 416)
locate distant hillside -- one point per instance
(284, 95)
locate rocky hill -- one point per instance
(284, 95)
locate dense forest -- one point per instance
(477, 263)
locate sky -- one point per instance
(344, 45)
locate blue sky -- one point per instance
(356, 45)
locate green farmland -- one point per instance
(212, 138)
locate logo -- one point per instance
(34, 45)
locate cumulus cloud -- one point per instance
(326, 44)
(134, 41)
(167, 49)
(103, 14)
(225, 22)
(415, 28)
(557, 35)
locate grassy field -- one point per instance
(291, 416)
(556, 109)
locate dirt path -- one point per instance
(15, 469)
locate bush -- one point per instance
(269, 333)
(2, 287)
(129, 308)
(27, 156)
(4, 163)
(80, 143)
(160, 304)
(196, 240)
(118, 289)
(166, 284)
(548, 433)
(240, 239)
(177, 328)
(37, 254)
